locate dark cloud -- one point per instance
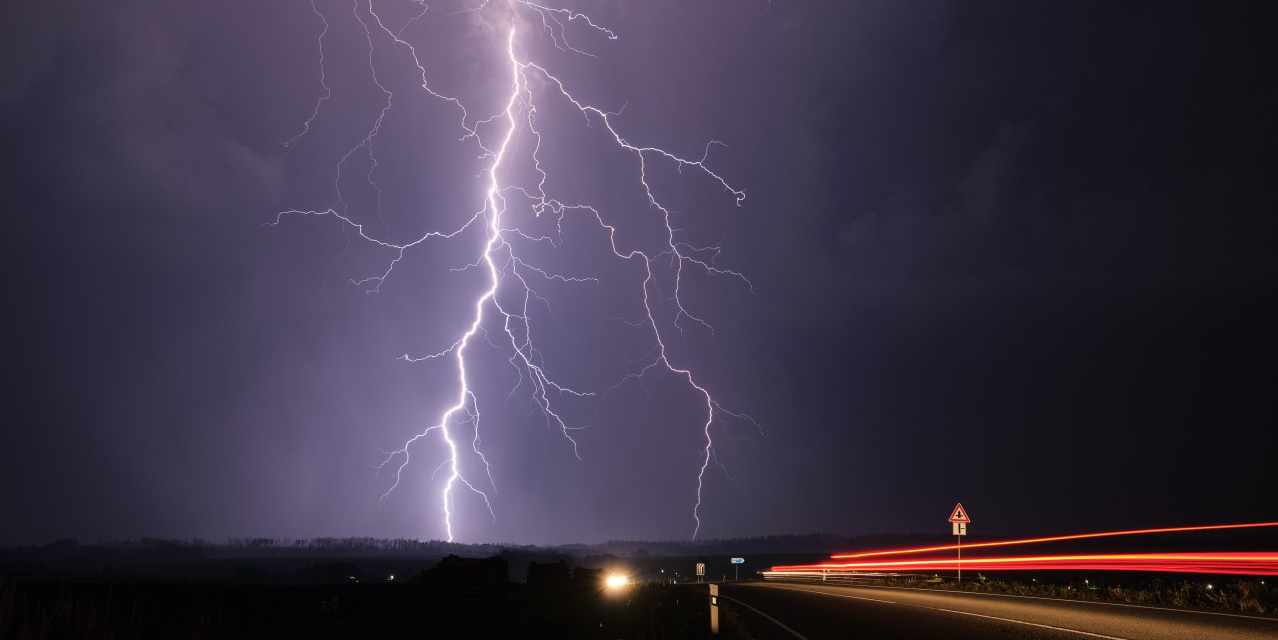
(1016, 255)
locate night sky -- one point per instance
(1015, 254)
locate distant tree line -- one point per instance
(70, 551)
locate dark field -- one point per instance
(196, 610)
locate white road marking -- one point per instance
(1094, 602)
(962, 613)
(792, 632)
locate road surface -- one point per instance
(797, 611)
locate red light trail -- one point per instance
(1077, 536)
(1237, 563)
(1263, 563)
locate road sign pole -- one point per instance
(958, 522)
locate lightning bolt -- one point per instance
(503, 306)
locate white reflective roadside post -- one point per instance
(714, 609)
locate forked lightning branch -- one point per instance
(464, 472)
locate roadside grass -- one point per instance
(1236, 595)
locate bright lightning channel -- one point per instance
(505, 267)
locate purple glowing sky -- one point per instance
(1014, 256)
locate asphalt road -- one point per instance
(795, 611)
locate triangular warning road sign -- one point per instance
(959, 515)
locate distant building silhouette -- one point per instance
(467, 578)
(548, 576)
(584, 579)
